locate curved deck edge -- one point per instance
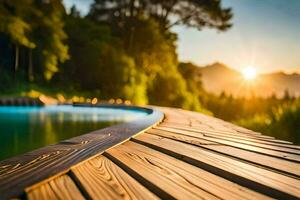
(22, 171)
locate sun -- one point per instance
(249, 73)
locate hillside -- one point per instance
(218, 77)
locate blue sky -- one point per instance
(265, 34)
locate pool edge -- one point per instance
(20, 172)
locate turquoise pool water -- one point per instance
(23, 129)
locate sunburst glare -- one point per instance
(249, 73)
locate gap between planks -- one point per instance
(264, 181)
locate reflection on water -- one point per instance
(23, 129)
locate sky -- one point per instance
(265, 35)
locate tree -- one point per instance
(48, 34)
(144, 29)
(35, 28)
(13, 24)
(168, 13)
(192, 74)
(169, 89)
(151, 49)
(98, 63)
(286, 95)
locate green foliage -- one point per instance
(282, 122)
(191, 73)
(48, 34)
(13, 21)
(229, 108)
(279, 118)
(153, 50)
(169, 89)
(166, 13)
(98, 63)
(125, 49)
(38, 25)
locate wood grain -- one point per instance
(173, 177)
(210, 130)
(271, 163)
(264, 181)
(269, 152)
(240, 137)
(202, 122)
(188, 156)
(102, 179)
(23, 171)
(59, 188)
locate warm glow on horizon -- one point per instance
(249, 73)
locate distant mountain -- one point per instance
(218, 78)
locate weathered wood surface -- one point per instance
(187, 156)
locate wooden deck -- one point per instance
(186, 156)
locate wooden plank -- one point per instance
(214, 122)
(174, 178)
(177, 114)
(282, 166)
(273, 142)
(278, 154)
(182, 126)
(232, 132)
(59, 188)
(261, 142)
(102, 179)
(258, 179)
(211, 121)
(275, 147)
(22, 171)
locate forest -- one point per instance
(125, 50)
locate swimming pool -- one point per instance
(25, 128)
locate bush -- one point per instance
(282, 122)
